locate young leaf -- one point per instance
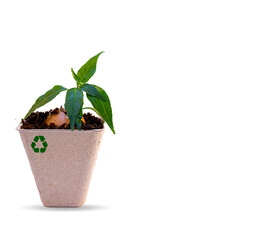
(91, 90)
(103, 108)
(74, 75)
(88, 69)
(73, 105)
(45, 98)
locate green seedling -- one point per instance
(74, 96)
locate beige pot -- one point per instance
(62, 162)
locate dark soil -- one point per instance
(37, 121)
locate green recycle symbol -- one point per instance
(44, 143)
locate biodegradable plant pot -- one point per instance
(62, 162)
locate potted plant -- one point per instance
(62, 144)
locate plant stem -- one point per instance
(79, 84)
(93, 110)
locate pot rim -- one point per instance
(18, 128)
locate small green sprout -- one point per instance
(74, 96)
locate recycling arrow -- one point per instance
(44, 144)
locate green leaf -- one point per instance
(73, 105)
(75, 75)
(45, 98)
(103, 108)
(88, 69)
(91, 90)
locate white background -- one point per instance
(192, 86)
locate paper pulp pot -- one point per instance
(62, 162)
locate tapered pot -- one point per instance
(62, 162)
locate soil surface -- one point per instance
(37, 120)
